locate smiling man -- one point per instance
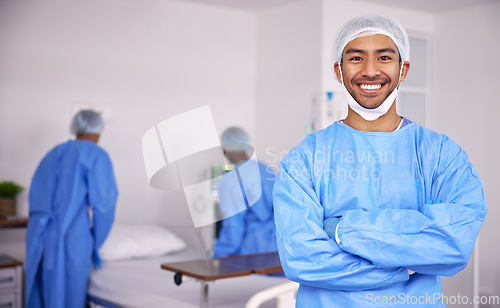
(373, 70)
(374, 209)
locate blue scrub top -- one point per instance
(406, 200)
(61, 239)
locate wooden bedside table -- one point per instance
(11, 282)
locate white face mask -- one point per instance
(375, 113)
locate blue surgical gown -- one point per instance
(61, 239)
(251, 230)
(407, 200)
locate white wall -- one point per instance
(466, 106)
(147, 60)
(288, 74)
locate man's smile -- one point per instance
(371, 88)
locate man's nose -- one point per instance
(370, 69)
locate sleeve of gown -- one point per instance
(102, 196)
(436, 240)
(307, 254)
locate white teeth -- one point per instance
(370, 86)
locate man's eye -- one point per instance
(385, 58)
(356, 59)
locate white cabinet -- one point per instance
(11, 283)
(413, 98)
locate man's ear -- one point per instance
(336, 68)
(404, 72)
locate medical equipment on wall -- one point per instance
(205, 201)
(215, 173)
(327, 107)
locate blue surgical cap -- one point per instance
(87, 121)
(369, 25)
(235, 139)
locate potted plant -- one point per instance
(8, 193)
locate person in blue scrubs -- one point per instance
(374, 209)
(252, 230)
(71, 209)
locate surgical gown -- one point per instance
(407, 200)
(61, 239)
(251, 230)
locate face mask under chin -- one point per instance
(373, 113)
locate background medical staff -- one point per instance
(372, 210)
(251, 230)
(73, 179)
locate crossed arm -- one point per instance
(307, 254)
(437, 240)
(378, 246)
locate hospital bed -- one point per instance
(135, 278)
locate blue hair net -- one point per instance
(87, 121)
(369, 25)
(235, 139)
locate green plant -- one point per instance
(9, 189)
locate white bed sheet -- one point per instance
(142, 283)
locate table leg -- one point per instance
(204, 295)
